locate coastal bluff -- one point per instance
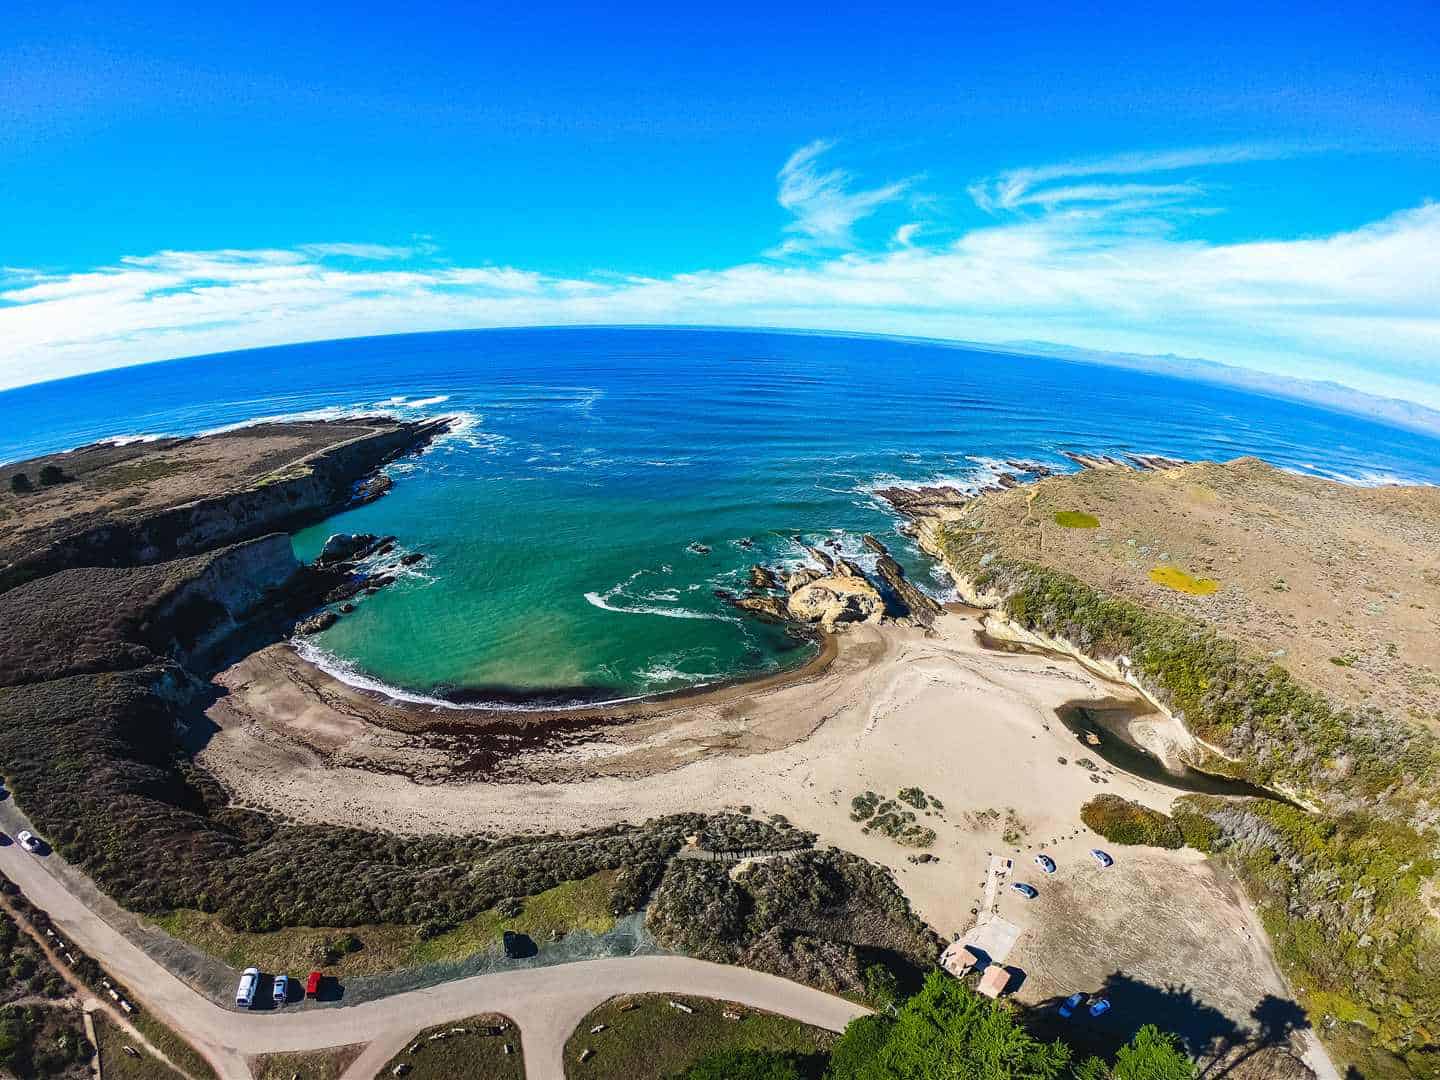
(1287, 628)
(145, 502)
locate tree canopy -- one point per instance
(949, 1032)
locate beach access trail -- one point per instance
(545, 1003)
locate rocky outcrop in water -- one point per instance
(918, 605)
(341, 547)
(835, 600)
(762, 577)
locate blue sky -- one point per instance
(1248, 184)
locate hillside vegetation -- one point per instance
(1345, 890)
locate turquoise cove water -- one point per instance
(559, 517)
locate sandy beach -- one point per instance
(972, 726)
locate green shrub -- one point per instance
(743, 1065)
(1124, 822)
(1197, 830)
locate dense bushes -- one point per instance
(90, 759)
(821, 917)
(949, 1032)
(1124, 822)
(42, 1041)
(1343, 901)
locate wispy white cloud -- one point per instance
(905, 234)
(358, 251)
(1017, 188)
(1361, 306)
(825, 205)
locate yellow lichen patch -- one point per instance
(1172, 577)
(1076, 519)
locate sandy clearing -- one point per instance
(974, 727)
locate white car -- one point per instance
(30, 842)
(1101, 857)
(282, 988)
(245, 992)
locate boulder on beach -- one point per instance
(316, 623)
(833, 601)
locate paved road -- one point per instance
(546, 1003)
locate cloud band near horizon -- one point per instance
(1083, 254)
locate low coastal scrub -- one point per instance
(1343, 900)
(484, 1047)
(39, 1036)
(328, 1064)
(136, 1063)
(90, 758)
(819, 917)
(1283, 734)
(646, 1037)
(1124, 822)
(888, 817)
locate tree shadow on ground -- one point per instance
(1216, 1040)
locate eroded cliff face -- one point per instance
(214, 603)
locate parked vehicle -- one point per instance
(1029, 892)
(5, 840)
(1099, 1007)
(1044, 862)
(282, 989)
(1101, 857)
(1070, 1004)
(30, 842)
(312, 983)
(245, 992)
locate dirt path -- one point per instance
(88, 1000)
(546, 1003)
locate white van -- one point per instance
(245, 992)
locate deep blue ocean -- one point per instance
(557, 519)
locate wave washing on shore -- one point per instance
(599, 486)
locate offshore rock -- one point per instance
(767, 607)
(344, 546)
(762, 577)
(919, 605)
(922, 502)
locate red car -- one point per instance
(312, 983)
